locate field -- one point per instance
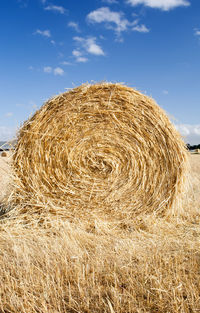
(150, 264)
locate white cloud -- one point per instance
(9, 114)
(53, 42)
(79, 56)
(164, 5)
(141, 28)
(110, 1)
(191, 133)
(113, 19)
(81, 59)
(66, 63)
(7, 133)
(55, 8)
(58, 71)
(90, 45)
(197, 32)
(76, 53)
(165, 92)
(45, 33)
(75, 26)
(116, 21)
(47, 69)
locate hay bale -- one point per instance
(102, 149)
(197, 151)
(4, 154)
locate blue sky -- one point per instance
(50, 45)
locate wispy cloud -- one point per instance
(23, 3)
(9, 114)
(165, 92)
(47, 69)
(141, 28)
(89, 45)
(110, 1)
(191, 133)
(55, 8)
(76, 53)
(45, 33)
(66, 63)
(75, 26)
(116, 21)
(197, 32)
(56, 71)
(164, 5)
(79, 56)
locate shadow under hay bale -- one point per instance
(99, 149)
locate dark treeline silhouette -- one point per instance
(194, 147)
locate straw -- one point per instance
(102, 149)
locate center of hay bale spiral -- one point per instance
(102, 147)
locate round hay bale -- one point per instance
(4, 154)
(103, 149)
(197, 151)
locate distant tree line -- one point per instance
(194, 147)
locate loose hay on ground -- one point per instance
(99, 148)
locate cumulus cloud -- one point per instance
(164, 5)
(58, 71)
(45, 33)
(55, 8)
(191, 133)
(79, 56)
(89, 45)
(75, 26)
(116, 21)
(76, 53)
(113, 20)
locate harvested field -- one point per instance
(149, 264)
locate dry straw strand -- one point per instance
(99, 148)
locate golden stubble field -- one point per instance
(150, 264)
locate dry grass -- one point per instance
(99, 149)
(149, 264)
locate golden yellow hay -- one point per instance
(197, 151)
(4, 154)
(103, 148)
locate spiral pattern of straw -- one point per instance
(99, 148)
